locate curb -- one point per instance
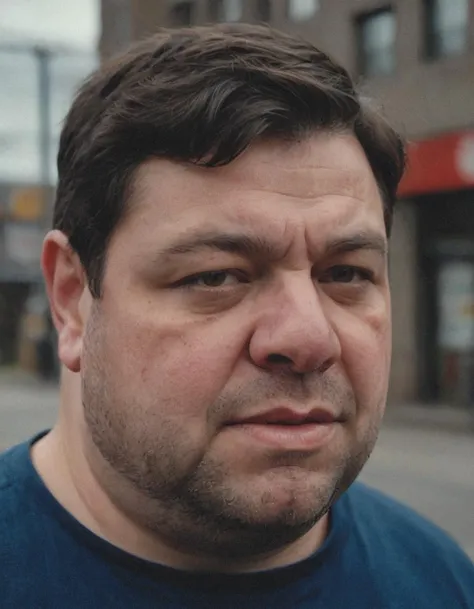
(17, 378)
(433, 417)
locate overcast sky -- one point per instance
(56, 24)
(63, 22)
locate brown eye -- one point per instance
(346, 274)
(214, 279)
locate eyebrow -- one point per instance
(364, 240)
(252, 246)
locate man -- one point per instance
(217, 275)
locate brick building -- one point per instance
(417, 57)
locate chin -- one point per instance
(242, 537)
(290, 498)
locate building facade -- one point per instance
(417, 58)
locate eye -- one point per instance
(214, 279)
(346, 274)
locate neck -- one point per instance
(64, 461)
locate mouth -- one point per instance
(288, 429)
(289, 417)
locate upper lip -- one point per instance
(288, 416)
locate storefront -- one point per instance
(22, 228)
(440, 186)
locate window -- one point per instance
(263, 10)
(225, 10)
(182, 13)
(376, 33)
(446, 27)
(302, 10)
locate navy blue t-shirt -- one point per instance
(378, 555)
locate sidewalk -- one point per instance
(431, 416)
(12, 376)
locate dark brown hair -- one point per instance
(201, 95)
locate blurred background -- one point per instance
(417, 58)
(45, 52)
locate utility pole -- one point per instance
(43, 57)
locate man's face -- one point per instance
(235, 368)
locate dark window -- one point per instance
(376, 37)
(182, 13)
(446, 27)
(225, 10)
(263, 10)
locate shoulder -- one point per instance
(19, 505)
(386, 514)
(15, 466)
(401, 541)
(13, 463)
(381, 514)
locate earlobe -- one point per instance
(66, 284)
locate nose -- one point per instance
(293, 331)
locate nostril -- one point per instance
(277, 358)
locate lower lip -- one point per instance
(307, 436)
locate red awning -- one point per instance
(440, 164)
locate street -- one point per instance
(430, 469)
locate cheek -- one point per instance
(365, 347)
(183, 367)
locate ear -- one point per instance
(67, 286)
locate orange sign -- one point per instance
(439, 164)
(27, 203)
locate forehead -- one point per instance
(318, 166)
(324, 179)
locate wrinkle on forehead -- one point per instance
(322, 166)
(307, 169)
(310, 183)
